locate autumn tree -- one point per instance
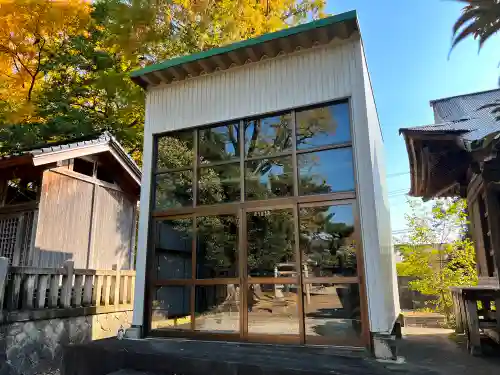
(30, 31)
(165, 29)
(86, 88)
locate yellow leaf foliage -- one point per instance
(29, 31)
(186, 26)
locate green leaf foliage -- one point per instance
(480, 20)
(438, 252)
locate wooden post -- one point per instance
(463, 312)
(131, 290)
(113, 283)
(4, 267)
(123, 289)
(29, 292)
(497, 313)
(456, 296)
(14, 291)
(41, 292)
(492, 207)
(116, 288)
(106, 285)
(3, 192)
(78, 288)
(307, 286)
(473, 327)
(18, 245)
(54, 290)
(87, 290)
(96, 296)
(67, 284)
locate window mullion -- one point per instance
(295, 171)
(242, 160)
(195, 167)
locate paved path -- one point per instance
(432, 348)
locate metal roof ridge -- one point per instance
(352, 14)
(431, 102)
(113, 142)
(422, 128)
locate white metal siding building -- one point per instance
(320, 62)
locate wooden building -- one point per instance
(458, 157)
(257, 154)
(69, 201)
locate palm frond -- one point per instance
(480, 19)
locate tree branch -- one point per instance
(41, 44)
(255, 134)
(233, 140)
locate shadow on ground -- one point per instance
(444, 352)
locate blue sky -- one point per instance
(407, 44)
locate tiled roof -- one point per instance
(464, 114)
(103, 139)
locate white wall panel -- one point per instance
(295, 80)
(380, 271)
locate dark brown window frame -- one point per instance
(293, 152)
(240, 209)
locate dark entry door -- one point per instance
(272, 297)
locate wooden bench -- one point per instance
(473, 307)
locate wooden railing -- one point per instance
(31, 293)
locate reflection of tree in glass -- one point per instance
(269, 178)
(175, 151)
(326, 244)
(217, 246)
(270, 240)
(175, 188)
(270, 235)
(311, 183)
(220, 143)
(314, 124)
(268, 135)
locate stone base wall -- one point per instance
(35, 347)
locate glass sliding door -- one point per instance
(329, 252)
(217, 286)
(197, 287)
(172, 272)
(272, 278)
(255, 234)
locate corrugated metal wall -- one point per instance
(64, 225)
(300, 79)
(380, 271)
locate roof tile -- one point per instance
(465, 114)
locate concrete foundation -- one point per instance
(188, 357)
(35, 347)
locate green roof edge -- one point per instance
(246, 43)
